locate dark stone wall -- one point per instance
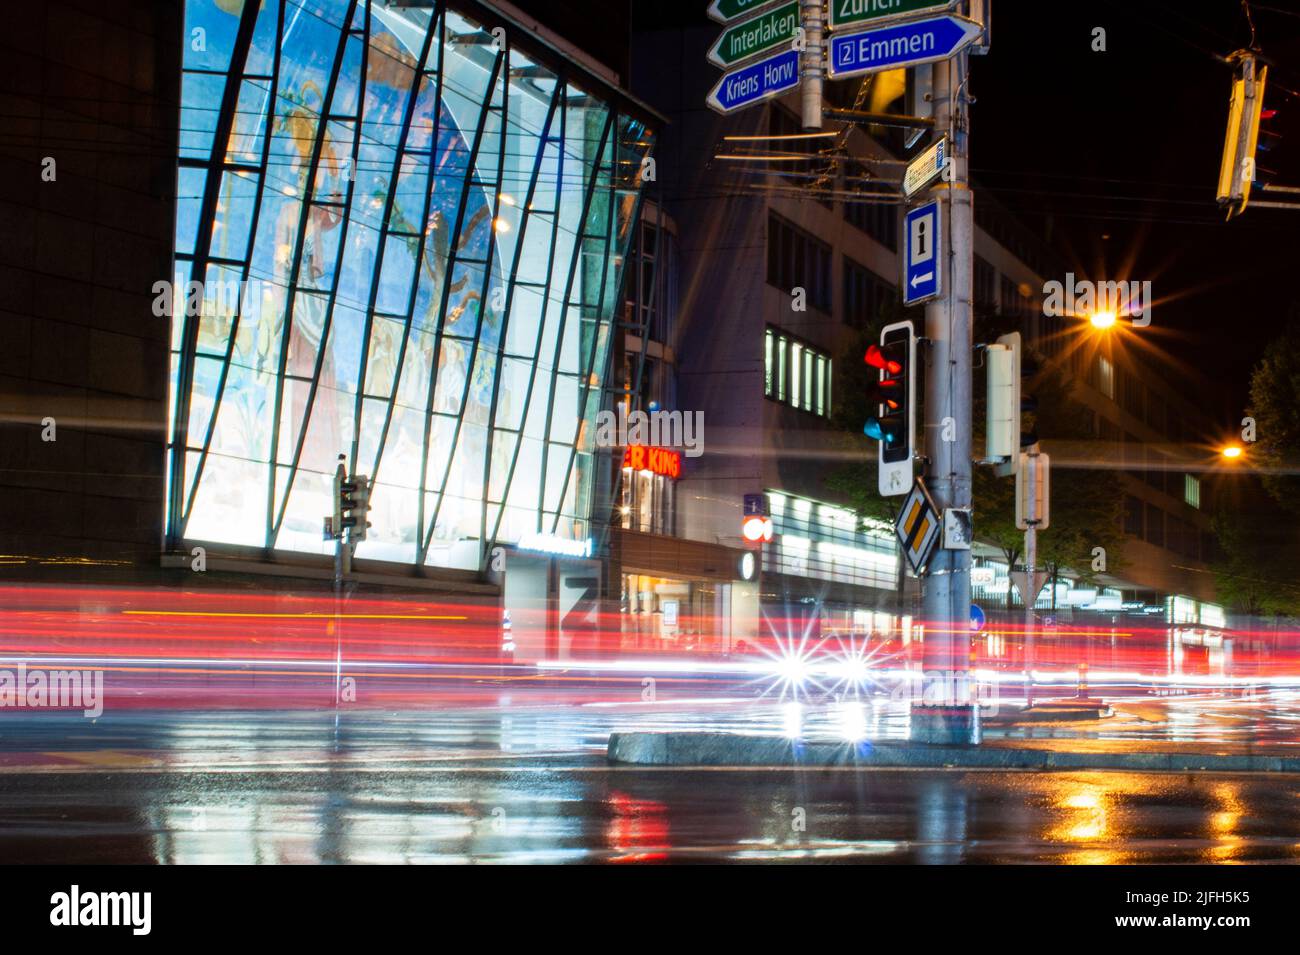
(94, 86)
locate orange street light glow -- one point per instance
(1232, 451)
(1102, 319)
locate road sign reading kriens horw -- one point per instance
(852, 13)
(922, 239)
(756, 82)
(724, 11)
(757, 35)
(927, 167)
(898, 45)
(918, 527)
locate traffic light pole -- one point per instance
(1031, 565)
(946, 713)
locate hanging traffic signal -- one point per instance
(1237, 167)
(894, 394)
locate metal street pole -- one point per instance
(1031, 565)
(811, 69)
(342, 567)
(947, 714)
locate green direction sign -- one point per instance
(847, 13)
(724, 11)
(757, 35)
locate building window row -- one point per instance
(796, 260)
(867, 296)
(876, 219)
(796, 374)
(829, 543)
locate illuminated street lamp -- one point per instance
(1232, 451)
(1102, 320)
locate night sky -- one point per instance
(1122, 148)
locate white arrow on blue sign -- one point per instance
(922, 231)
(900, 45)
(756, 82)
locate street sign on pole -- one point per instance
(852, 13)
(757, 82)
(1028, 586)
(899, 45)
(1033, 491)
(724, 11)
(918, 527)
(757, 35)
(927, 167)
(922, 230)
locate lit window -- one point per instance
(767, 363)
(796, 374)
(780, 369)
(1105, 377)
(796, 368)
(1192, 490)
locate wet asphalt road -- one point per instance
(527, 784)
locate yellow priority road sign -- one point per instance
(918, 527)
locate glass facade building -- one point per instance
(409, 235)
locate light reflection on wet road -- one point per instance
(522, 783)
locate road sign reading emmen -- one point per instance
(758, 35)
(724, 11)
(899, 45)
(758, 81)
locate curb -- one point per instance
(727, 749)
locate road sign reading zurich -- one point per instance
(759, 34)
(898, 45)
(851, 13)
(922, 232)
(756, 82)
(724, 11)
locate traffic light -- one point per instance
(1237, 167)
(755, 523)
(335, 525)
(894, 394)
(360, 508)
(1005, 433)
(351, 505)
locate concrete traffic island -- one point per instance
(733, 749)
(1055, 711)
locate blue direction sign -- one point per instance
(756, 82)
(899, 45)
(922, 231)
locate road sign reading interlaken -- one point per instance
(761, 34)
(724, 11)
(852, 13)
(897, 45)
(756, 82)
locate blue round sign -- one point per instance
(976, 618)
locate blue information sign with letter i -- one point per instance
(922, 263)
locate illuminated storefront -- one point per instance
(410, 236)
